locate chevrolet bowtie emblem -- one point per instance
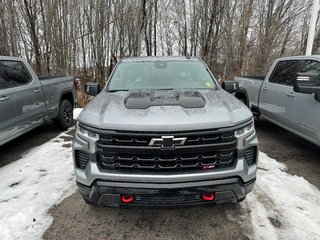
(167, 141)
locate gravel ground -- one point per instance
(301, 157)
(23, 144)
(75, 220)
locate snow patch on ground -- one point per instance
(32, 185)
(76, 113)
(283, 206)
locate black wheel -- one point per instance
(64, 120)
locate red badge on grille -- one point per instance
(208, 166)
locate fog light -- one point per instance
(126, 198)
(208, 196)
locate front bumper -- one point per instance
(105, 187)
(92, 172)
(184, 194)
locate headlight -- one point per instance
(86, 134)
(244, 132)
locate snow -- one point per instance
(32, 185)
(76, 112)
(281, 206)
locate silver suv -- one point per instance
(163, 133)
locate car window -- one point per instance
(3, 83)
(161, 75)
(285, 72)
(13, 73)
(311, 68)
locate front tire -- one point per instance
(64, 120)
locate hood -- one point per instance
(218, 109)
(146, 99)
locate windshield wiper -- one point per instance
(163, 89)
(118, 90)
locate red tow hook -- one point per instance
(126, 198)
(208, 196)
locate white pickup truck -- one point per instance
(288, 96)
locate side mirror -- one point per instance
(230, 86)
(92, 88)
(307, 83)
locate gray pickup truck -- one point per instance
(26, 101)
(288, 96)
(163, 133)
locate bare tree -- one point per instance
(88, 38)
(30, 9)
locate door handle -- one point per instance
(291, 94)
(265, 88)
(36, 90)
(4, 98)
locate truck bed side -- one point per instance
(55, 89)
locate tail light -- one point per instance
(76, 83)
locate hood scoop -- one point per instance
(146, 99)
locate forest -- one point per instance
(86, 38)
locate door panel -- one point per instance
(29, 104)
(305, 109)
(27, 93)
(277, 92)
(297, 112)
(273, 102)
(8, 116)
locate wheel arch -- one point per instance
(64, 95)
(67, 95)
(242, 94)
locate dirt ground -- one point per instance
(301, 157)
(73, 219)
(23, 144)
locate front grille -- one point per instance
(132, 152)
(196, 138)
(158, 161)
(167, 200)
(81, 158)
(250, 155)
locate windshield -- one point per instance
(161, 75)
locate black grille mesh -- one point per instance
(205, 160)
(165, 200)
(131, 151)
(82, 159)
(144, 139)
(250, 155)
